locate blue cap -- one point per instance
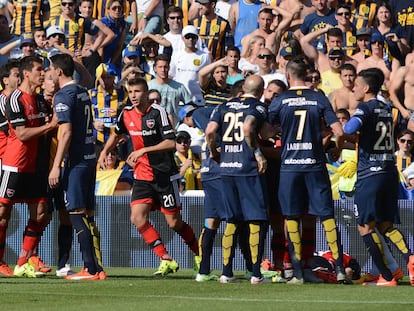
(185, 110)
(287, 51)
(376, 36)
(130, 51)
(27, 38)
(336, 50)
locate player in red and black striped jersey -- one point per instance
(156, 177)
(24, 163)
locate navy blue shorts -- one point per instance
(213, 199)
(300, 190)
(272, 184)
(243, 198)
(376, 198)
(163, 193)
(55, 199)
(79, 186)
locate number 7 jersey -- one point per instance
(300, 112)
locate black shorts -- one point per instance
(162, 193)
(22, 187)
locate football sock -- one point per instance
(294, 238)
(153, 239)
(228, 244)
(189, 238)
(334, 242)
(398, 240)
(308, 238)
(31, 238)
(374, 246)
(3, 234)
(242, 236)
(295, 246)
(65, 237)
(256, 242)
(96, 238)
(206, 248)
(278, 247)
(80, 223)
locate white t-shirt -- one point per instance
(184, 68)
(142, 5)
(177, 43)
(223, 8)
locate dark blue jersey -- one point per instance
(210, 169)
(236, 158)
(73, 105)
(300, 112)
(376, 138)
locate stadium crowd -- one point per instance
(250, 101)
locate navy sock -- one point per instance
(65, 237)
(80, 223)
(207, 242)
(376, 255)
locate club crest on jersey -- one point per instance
(196, 62)
(150, 123)
(10, 192)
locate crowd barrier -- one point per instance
(122, 246)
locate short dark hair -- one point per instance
(236, 88)
(279, 83)
(233, 48)
(374, 77)
(297, 69)
(334, 32)
(343, 6)
(348, 66)
(345, 112)
(138, 81)
(174, 9)
(27, 63)
(65, 63)
(161, 57)
(5, 70)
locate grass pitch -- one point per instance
(136, 289)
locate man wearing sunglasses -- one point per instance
(331, 79)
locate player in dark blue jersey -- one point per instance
(300, 111)
(376, 189)
(76, 146)
(241, 162)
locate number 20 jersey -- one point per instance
(299, 112)
(376, 138)
(236, 158)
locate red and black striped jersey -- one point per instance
(148, 129)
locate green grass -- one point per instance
(136, 289)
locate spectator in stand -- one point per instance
(318, 20)
(404, 16)
(117, 177)
(272, 21)
(248, 61)
(381, 58)
(234, 74)
(186, 65)
(266, 62)
(115, 21)
(363, 36)
(149, 16)
(106, 99)
(6, 38)
(29, 15)
(172, 92)
(363, 12)
(188, 163)
(213, 82)
(393, 33)
(188, 125)
(343, 98)
(405, 144)
(241, 21)
(331, 78)
(213, 30)
(313, 79)
(343, 16)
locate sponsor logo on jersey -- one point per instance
(61, 107)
